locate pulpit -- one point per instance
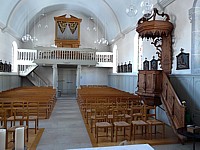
(150, 86)
(150, 79)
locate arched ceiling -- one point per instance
(14, 13)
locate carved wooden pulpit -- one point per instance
(159, 31)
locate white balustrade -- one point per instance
(66, 54)
(27, 57)
(26, 54)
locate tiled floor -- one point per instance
(66, 130)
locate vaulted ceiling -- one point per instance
(13, 13)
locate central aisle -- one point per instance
(65, 129)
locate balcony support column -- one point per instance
(78, 77)
(55, 77)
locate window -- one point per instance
(14, 57)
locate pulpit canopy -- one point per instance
(158, 28)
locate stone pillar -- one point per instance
(78, 77)
(194, 16)
(55, 77)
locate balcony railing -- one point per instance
(27, 58)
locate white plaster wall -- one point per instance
(46, 36)
(8, 80)
(127, 50)
(6, 41)
(179, 15)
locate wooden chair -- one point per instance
(150, 118)
(33, 111)
(120, 123)
(139, 123)
(95, 117)
(89, 108)
(101, 115)
(44, 109)
(23, 113)
(125, 111)
(3, 118)
(13, 116)
(137, 112)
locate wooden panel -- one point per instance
(149, 82)
(126, 83)
(8, 81)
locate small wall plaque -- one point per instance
(182, 60)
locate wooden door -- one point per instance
(67, 81)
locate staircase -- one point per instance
(155, 88)
(37, 80)
(175, 110)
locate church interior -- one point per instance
(99, 74)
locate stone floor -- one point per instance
(66, 130)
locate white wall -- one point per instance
(94, 76)
(179, 15)
(46, 36)
(127, 50)
(8, 80)
(6, 46)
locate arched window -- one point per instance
(14, 57)
(138, 52)
(115, 58)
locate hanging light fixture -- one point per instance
(131, 11)
(34, 39)
(147, 8)
(97, 41)
(39, 24)
(104, 40)
(46, 25)
(88, 24)
(27, 36)
(45, 15)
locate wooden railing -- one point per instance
(174, 108)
